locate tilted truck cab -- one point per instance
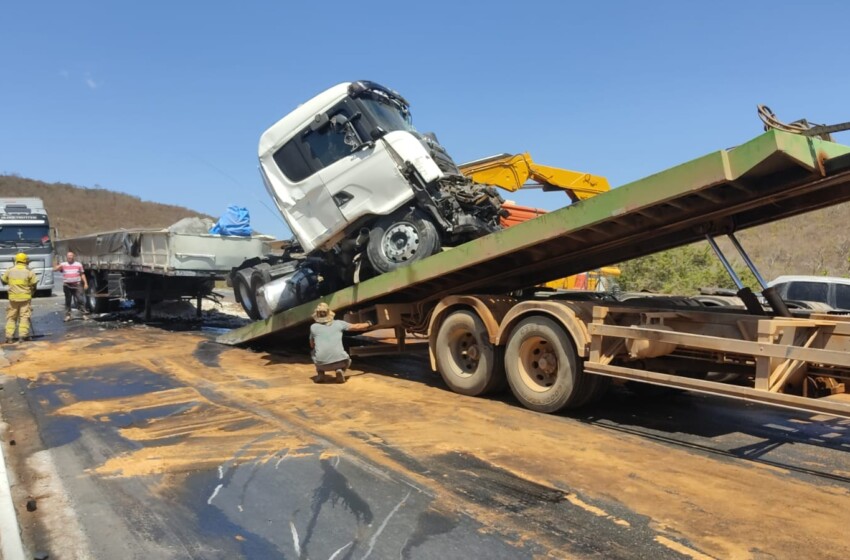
(362, 191)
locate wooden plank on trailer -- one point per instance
(720, 344)
(833, 407)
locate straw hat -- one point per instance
(323, 313)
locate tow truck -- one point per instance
(486, 327)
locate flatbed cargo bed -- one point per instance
(774, 176)
(163, 252)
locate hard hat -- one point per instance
(21, 258)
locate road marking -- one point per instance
(339, 550)
(220, 472)
(279, 461)
(11, 546)
(214, 494)
(295, 540)
(380, 530)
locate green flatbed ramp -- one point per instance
(774, 176)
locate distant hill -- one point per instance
(815, 243)
(76, 211)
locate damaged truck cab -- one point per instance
(363, 193)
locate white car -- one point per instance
(830, 290)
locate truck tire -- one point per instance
(543, 368)
(245, 295)
(400, 239)
(97, 285)
(467, 361)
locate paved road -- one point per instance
(154, 442)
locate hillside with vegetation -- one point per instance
(817, 243)
(76, 211)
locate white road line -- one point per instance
(295, 539)
(339, 550)
(279, 461)
(11, 547)
(214, 494)
(380, 530)
(220, 472)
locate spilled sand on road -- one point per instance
(256, 406)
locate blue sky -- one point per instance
(167, 100)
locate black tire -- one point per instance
(259, 278)
(543, 368)
(400, 239)
(97, 285)
(245, 295)
(467, 361)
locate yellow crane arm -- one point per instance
(511, 172)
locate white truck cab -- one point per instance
(351, 154)
(24, 228)
(363, 193)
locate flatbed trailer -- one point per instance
(559, 351)
(151, 265)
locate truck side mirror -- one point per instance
(320, 121)
(338, 121)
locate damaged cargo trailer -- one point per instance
(147, 266)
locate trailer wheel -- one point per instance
(467, 361)
(97, 284)
(543, 368)
(242, 289)
(400, 239)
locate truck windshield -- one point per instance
(24, 236)
(386, 112)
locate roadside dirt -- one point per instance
(229, 404)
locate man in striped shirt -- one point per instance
(74, 284)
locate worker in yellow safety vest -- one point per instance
(21, 281)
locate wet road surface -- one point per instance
(154, 442)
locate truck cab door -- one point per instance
(292, 178)
(366, 182)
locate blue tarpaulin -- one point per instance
(236, 221)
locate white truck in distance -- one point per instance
(24, 228)
(363, 193)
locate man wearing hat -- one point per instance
(326, 341)
(22, 282)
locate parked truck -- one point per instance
(25, 228)
(485, 328)
(147, 266)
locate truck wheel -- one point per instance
(467, 361)
(242, 289)
(259, 278)
(400, 239)
(543, 368)
(97, 285)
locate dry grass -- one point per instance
(76, 211)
